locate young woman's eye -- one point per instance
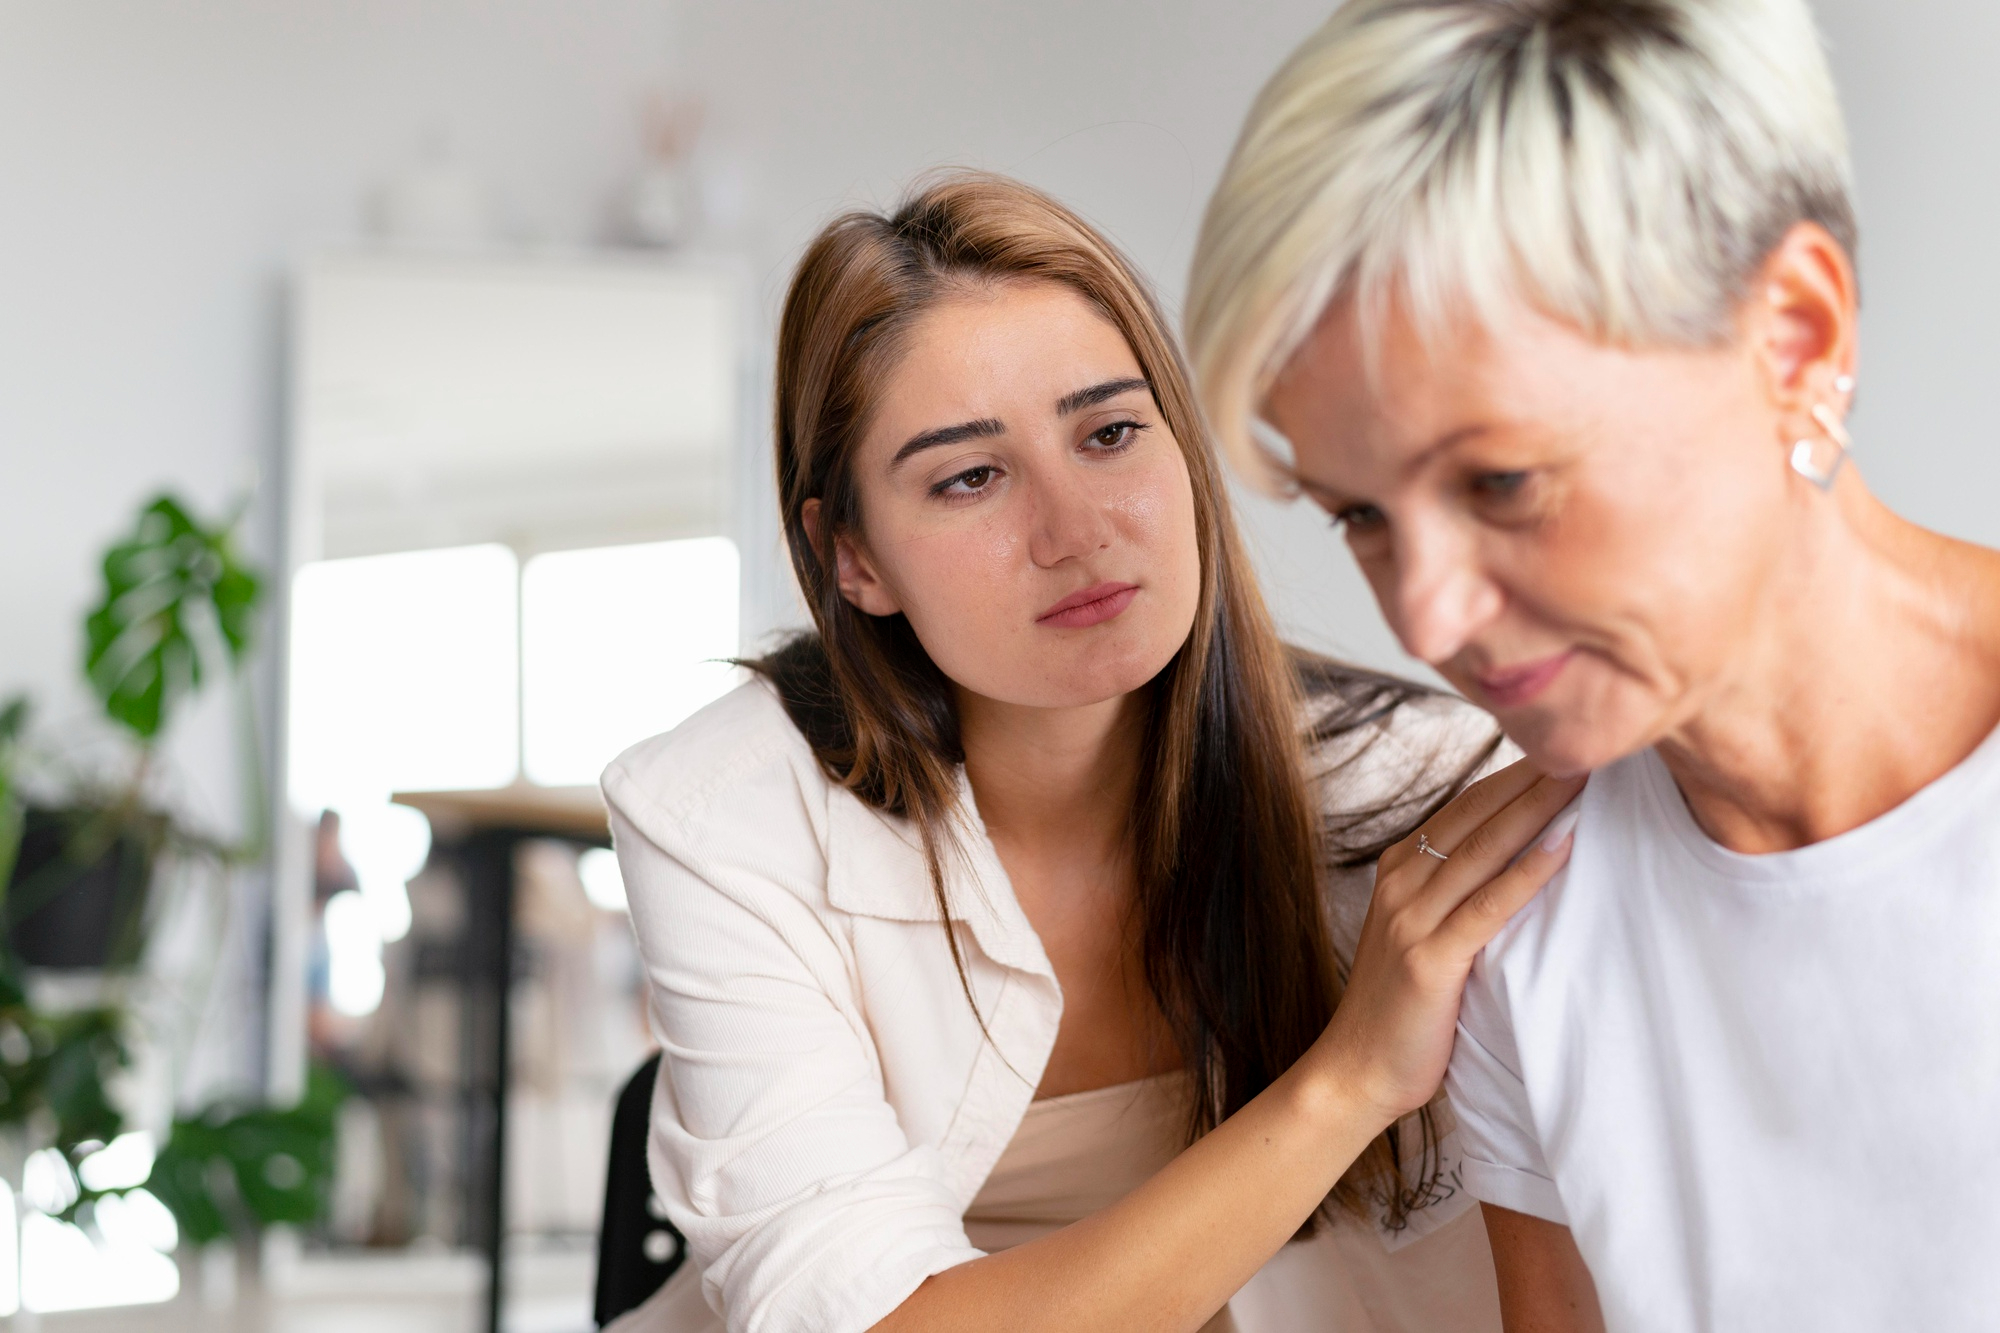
(1116, 436)
(969, 482)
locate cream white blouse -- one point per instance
(828, 1108)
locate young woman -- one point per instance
(995, 935)
(1555, 302)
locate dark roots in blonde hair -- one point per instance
(1230, 855)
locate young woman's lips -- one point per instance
(1092, 606)
(1518, 685)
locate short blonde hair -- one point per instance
(1622, 165)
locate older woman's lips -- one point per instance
(1092, 606)
(1518, 685)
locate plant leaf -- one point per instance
(180, 1181)
(85, 1050)
(280, 1161)
(177, 596)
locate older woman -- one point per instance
(1552, 305)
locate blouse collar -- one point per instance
(875, 867)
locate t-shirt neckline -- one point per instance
(1931, 811)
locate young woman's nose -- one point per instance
(1069, 519)
(1439, 596)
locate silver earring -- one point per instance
(1819, 461)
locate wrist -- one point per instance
(1334, 1093)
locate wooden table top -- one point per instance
(556, 812)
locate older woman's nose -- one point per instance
(1438, 600)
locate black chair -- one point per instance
(638, 1249)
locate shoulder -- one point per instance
(729, 757)
(1567, 921)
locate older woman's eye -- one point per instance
(1359, 518)
(1500, 485)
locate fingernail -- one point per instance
(1563, 825)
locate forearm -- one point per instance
(1170, 1253)
(1544, 1285)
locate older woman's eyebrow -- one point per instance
(983, 429)
(1330, 496)
(1097, 393)
(1333, 497)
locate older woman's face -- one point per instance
(1578, 537)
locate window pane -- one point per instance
(404, 675)
(619, 644)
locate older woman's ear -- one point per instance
(1803, 321)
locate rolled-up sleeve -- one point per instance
(773, 1145)
(1502, 1161)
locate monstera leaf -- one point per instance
(246, 1164)
(176, 598)
(58, 1067)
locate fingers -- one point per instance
(1485, 852)
(1471, 925)
(1476, 804)
(1482, 852)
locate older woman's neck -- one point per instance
(1054, 775)
(1876, 670)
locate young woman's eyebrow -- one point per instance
(987, 427)
(982, 429)
(1097, 393)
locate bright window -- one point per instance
(618, 644)
(404, 675)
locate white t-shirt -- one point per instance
(1762, 1091)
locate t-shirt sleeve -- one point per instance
(1501, 1160)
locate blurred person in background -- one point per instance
(1552, 305)
(1010, 941)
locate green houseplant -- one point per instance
(178, 608)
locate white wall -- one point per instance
(1922, 104)
(160, 166)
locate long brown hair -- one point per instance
(1228, 851)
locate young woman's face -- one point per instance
(1024, 504)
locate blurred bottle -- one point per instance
(662, 207)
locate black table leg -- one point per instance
(486, 860)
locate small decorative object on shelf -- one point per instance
(663, 206)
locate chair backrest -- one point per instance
(638, 1249)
